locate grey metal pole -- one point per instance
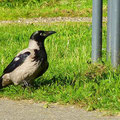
(109, 29)
(115, 53)
(97, 30)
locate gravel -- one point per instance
(50, 20)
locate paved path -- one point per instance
(51, 20)
(26, 110)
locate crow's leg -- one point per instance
(25, 84)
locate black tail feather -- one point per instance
(1, 83)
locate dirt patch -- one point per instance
(51, 20)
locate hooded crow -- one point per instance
(28, 64)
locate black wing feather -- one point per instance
(14, 64)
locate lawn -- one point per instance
(47, 8)
(71, 78)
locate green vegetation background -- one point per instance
(14, 9)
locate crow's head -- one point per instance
(41, 35)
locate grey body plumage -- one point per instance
(29, 64)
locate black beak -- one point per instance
(49, 33)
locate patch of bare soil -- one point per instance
(50, 20)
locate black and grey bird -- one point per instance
(28, 64)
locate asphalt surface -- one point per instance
(26, 110)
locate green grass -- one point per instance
(70, 77)
(47, 8)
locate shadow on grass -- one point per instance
(57, 80)
(54, 80)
